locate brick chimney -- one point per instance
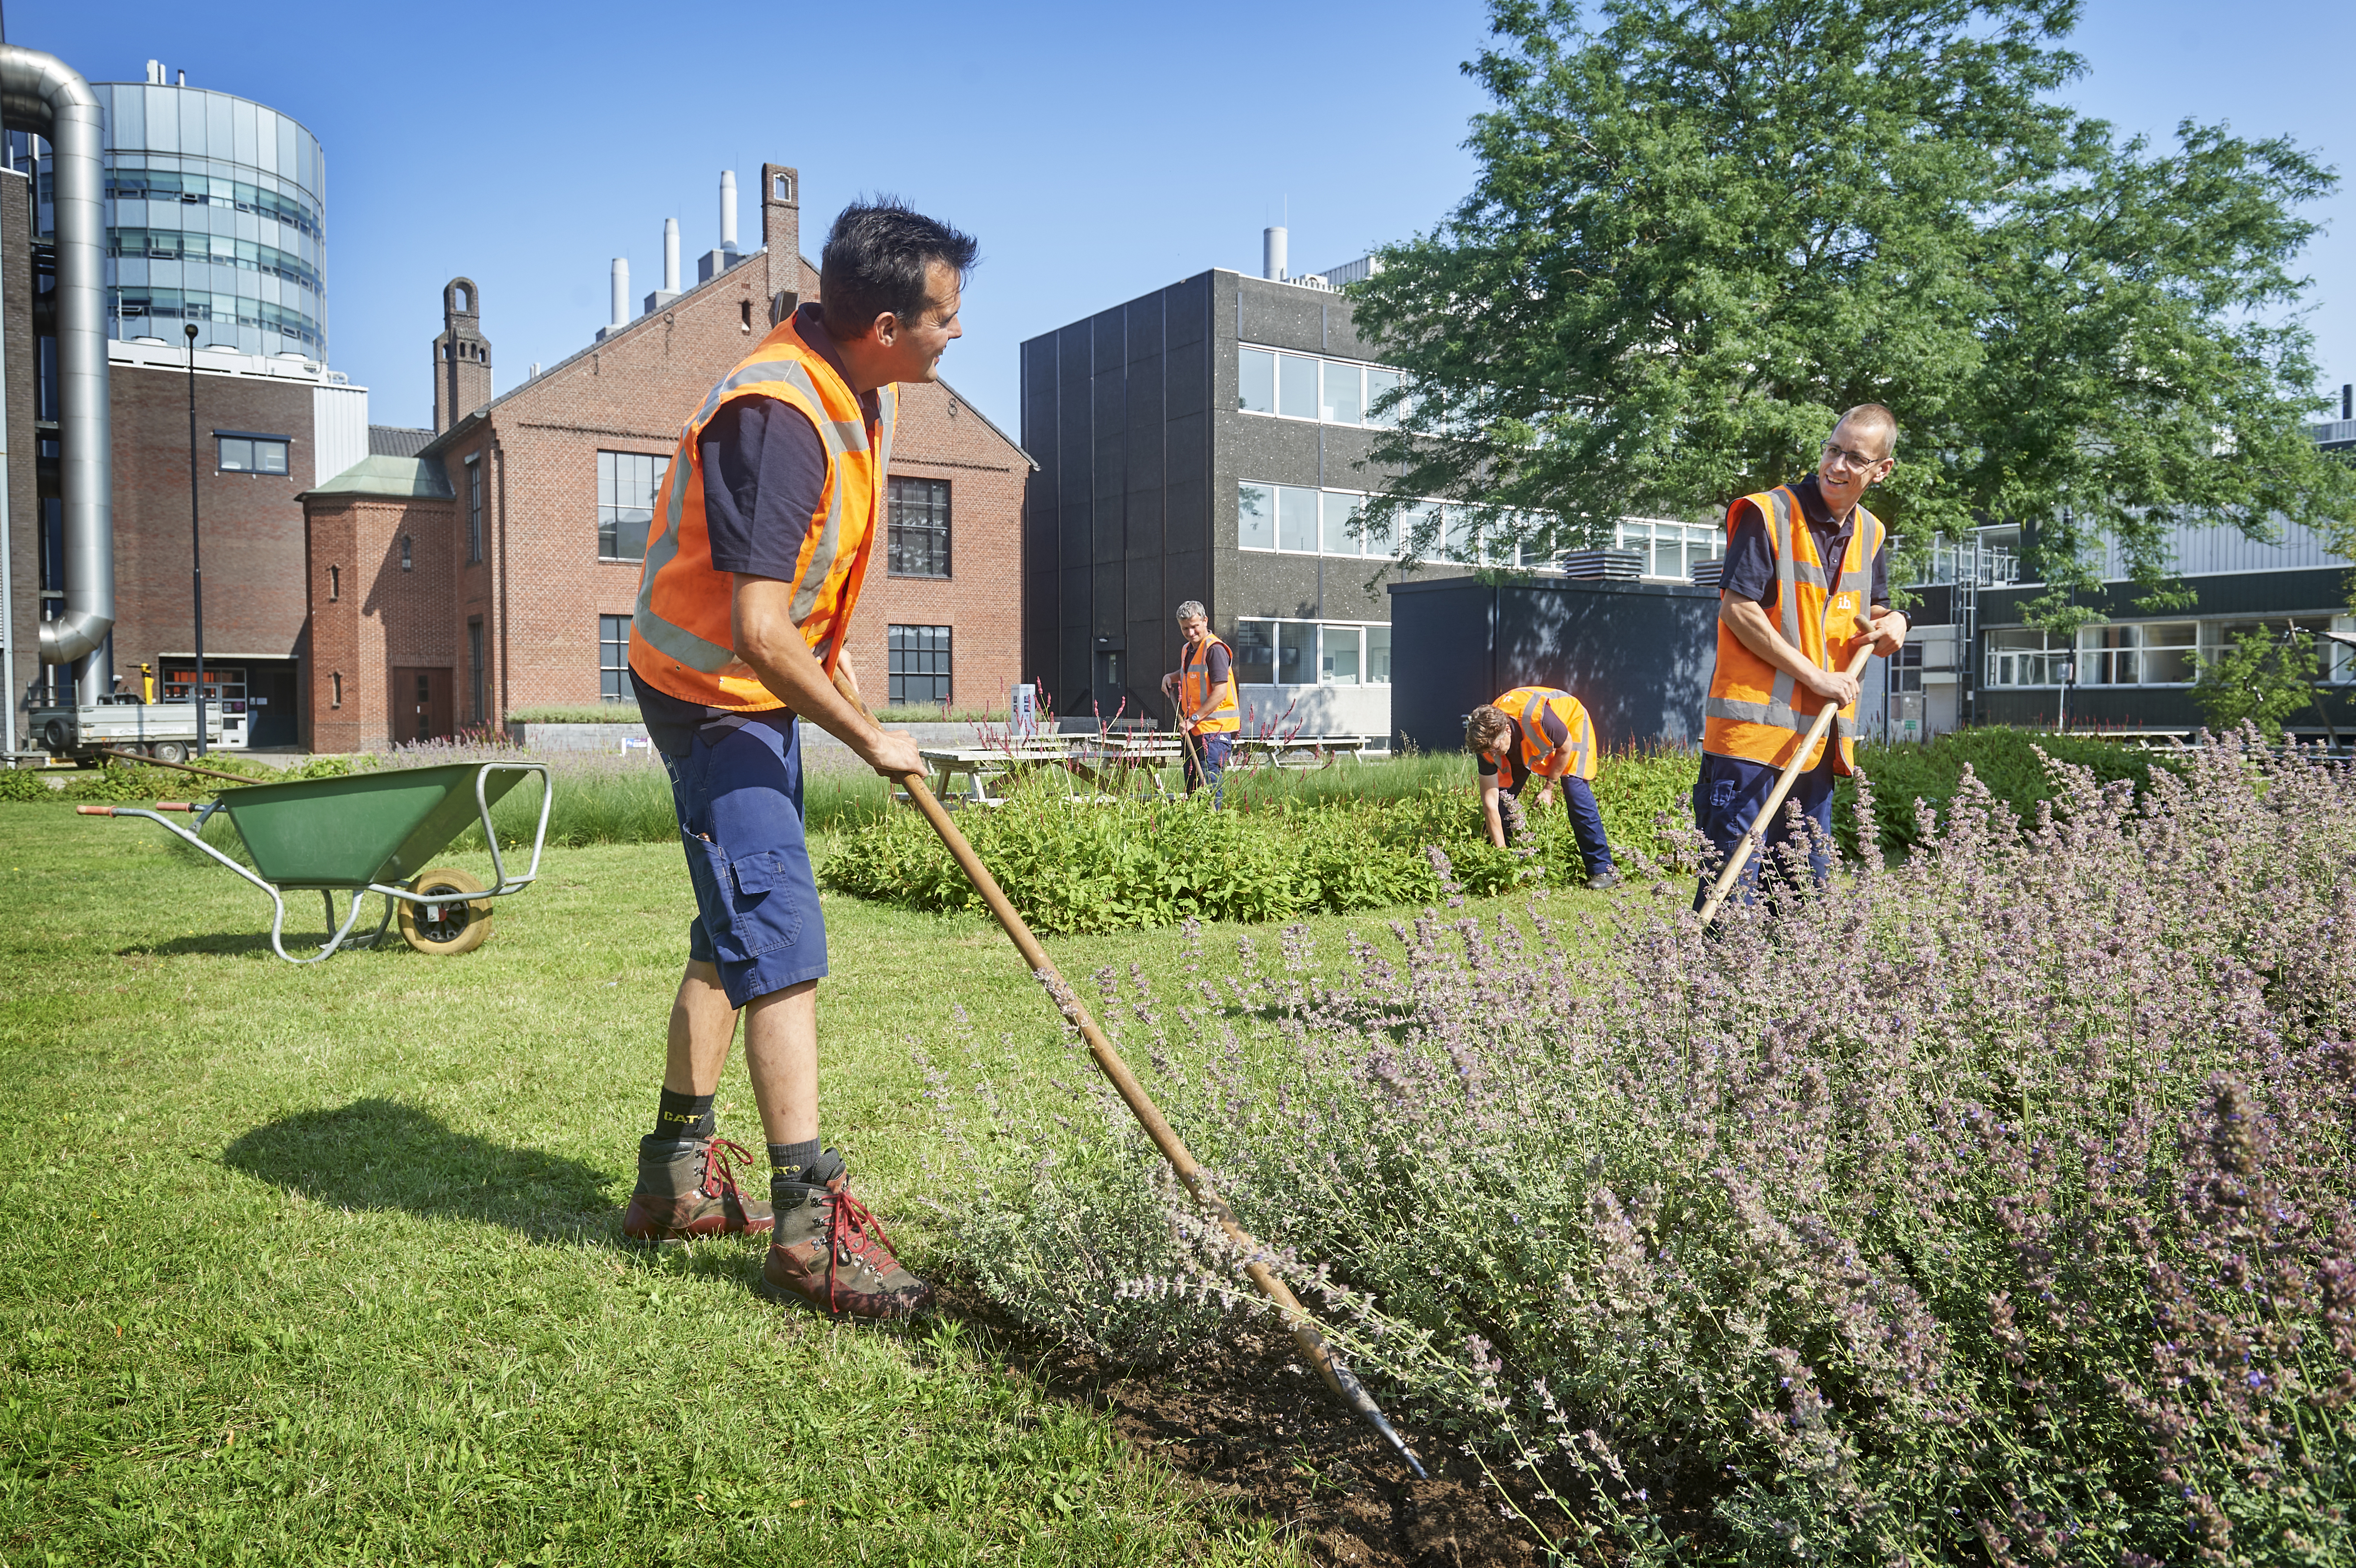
(462, 355)
(781, 231)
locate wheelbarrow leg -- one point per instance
(278, 921)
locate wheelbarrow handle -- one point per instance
(108, 811)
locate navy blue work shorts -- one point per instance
(1726, 801)
(738, 790)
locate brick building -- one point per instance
(494, 569)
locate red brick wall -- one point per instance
(253, 522)
(541, 588)
(386, 619)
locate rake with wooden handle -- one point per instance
(1739, 856)
(1314, 1348)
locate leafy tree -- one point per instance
(2262, 678)
(1702, 228)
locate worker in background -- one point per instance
(764, 530)
(1806, 581)
(1203, 688)
(1538, 733)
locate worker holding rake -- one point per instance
(764, 529)
(1538, 733)
(1203, 688)
(1803, 600)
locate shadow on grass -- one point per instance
(380, 1154)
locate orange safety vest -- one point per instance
(1194, 690)
(1528, 706)
(1756, 712)
(681, 640)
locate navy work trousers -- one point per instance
(1726, 802)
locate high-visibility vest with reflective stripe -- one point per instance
(1756, 712)
(1527, 707)
(1216, 704)
(680, 638)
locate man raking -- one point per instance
(1204, 689)
(1805, 582)
(762, 537)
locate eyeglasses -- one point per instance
(1838, 453)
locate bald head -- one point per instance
(1858, 456)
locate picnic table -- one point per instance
(1106, 762)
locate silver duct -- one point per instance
(42, 94)
(1271, 252)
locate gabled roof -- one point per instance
(407, 478)
(397, 441)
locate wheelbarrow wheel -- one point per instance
(446, 930)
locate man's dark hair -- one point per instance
(876, 258)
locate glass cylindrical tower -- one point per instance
(216, 213)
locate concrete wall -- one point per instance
(1636, 655)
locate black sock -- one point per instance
(789, 1160)
(683, 1116)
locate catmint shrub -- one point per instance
(1993, 1206)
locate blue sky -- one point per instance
(1097, 151)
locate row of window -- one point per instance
(200, 190)
(1312, 653)
(1298, 386)
(916, 664)
(628, 483)
(2143, 653)
(1297, 521)
(222, 249)
(197, 304)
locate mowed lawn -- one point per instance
(324, 1264)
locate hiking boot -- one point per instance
(1603, 881)
(829, 1252)
(686, 1188)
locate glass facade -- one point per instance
(216, 213)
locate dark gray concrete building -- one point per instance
(1208, 440)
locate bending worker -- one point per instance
(1537, 731)
(1204, 689)
(1806, 581)
(763, 533)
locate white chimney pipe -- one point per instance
(728, 209)
(1272, 256)
(621, 291)
(671, 255)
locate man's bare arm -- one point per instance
(762, 625)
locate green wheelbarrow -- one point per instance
(370, 833)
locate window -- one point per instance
(1256, 515)
(628, 484)
(336, 690)
(1337, 511)
(1256, 380)
(251, 453)
(1380, 384)
(2026, 658)
(1671, 550)
(334, 584)
(1296, 387)
(1296, 518)
(408, 557)
(2154, 653)
(474, 511)
(477, 691)
(1342, 400)
(920, 527)
(1312, 653)
(614, 659)
(919, 666)
(1906, 668)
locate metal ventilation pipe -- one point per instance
(671, 255)
(1271, 252)
(621, 292)
(42, 94)
(728, 209)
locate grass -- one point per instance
(322, 1265)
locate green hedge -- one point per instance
(2005, 760)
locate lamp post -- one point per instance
(195, 538)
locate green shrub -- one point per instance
(25, 783)
(2003, 759)
(578, 713)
